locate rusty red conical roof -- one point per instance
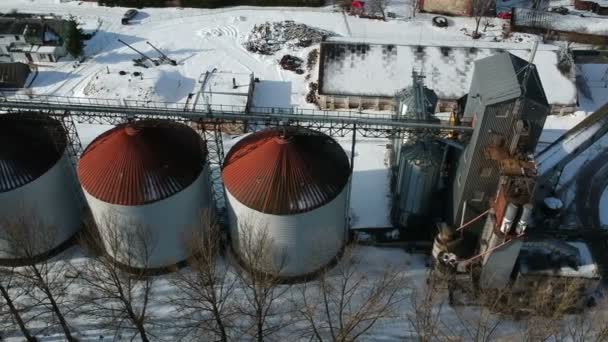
(30, 145)
(286, 170)
(142, 162)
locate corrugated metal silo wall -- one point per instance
(417, 184)
(171, 223)
(303, 242)
(496, 119)
(52, 201)
(536, 113)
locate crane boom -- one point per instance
(139, 52)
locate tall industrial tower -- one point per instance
(508, 108)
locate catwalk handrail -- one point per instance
(210, 111)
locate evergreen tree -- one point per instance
(74, 38)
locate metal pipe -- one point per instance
(464, 209)
(507, 221)
(525, 219)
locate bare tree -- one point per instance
(426, 308)
(479, 9)
(344, 303)
(555, 309)
(264, 296)
(11, 291)
(204, 300)
(378, 6)
(47, 287)
(118, 289)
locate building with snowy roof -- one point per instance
(31, 39)
(367, 76)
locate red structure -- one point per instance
(357, 7)
(599, 7)
(142, 162)
(286, 171)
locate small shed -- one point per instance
(13, 75)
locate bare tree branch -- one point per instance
(344, 303)
(29, 239)
(262, 307)
(205, 301)
(118, 299)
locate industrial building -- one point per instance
(40, 201)
(13, 75)
(355, 75)
(291, 185)
(147, 180)
(30, 39)
(508, 108)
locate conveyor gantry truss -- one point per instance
(208, 119)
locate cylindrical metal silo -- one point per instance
(417, 177)
(40, 202)
(291, 184)
(147, 176)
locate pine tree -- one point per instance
(74, 38)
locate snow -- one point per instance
(567, 144)
(586, 267)
(593, 85)
(384, 69)
(370, 193)
(553, 203)
(604, 208)
(88, 132)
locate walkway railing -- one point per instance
(98, 106)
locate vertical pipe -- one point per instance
(464, 209)
(350, 182)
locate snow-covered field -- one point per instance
(201, 40)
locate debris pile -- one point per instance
(292, 63)
(268, 38)
(311, 97)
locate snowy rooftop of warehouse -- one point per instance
(369, 69)
(539, 260)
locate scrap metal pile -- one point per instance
(268, 38)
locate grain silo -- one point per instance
(417, 180)
(148, 176)
(291, 183)
(40, 203)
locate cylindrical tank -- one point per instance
(417, 178)
(40, 202)
(148, 188)
(287, 186)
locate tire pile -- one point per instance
(292, 63)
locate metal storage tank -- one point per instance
(149, 175)
(293, 183)
(417, 179)
(37, 186)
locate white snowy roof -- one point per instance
(584, 266)
(354, 69)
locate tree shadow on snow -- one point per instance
(47, 78)
(172, 86)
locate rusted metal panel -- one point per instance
(142, 162)
(30, 145)
(287, 170)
